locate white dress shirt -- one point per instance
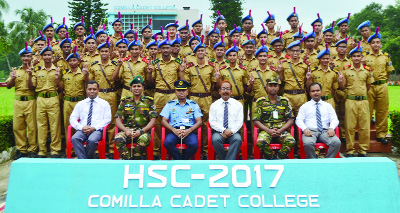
(307, 116)
(235, 115)
(101, 114)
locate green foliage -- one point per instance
(6, 132)
(230, 9)
(93, 12)
(394, 128)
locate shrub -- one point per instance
(395, 127)
(6, 132)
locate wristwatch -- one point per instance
(141, 131)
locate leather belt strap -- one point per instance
(107, 90)
(237, 97)
(25, 98)
(201, 79)
(165, 91)
(127, 88)
(162, 76)
(326, 97)
(234, 81)
(47, 95)
(200, 95)
(378, 82)
(357, 98)
(295, 91)
(74, 99)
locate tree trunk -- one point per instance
(8, 63)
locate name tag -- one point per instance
(185, 120)
(275, 114)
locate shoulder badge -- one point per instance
(242, 67)
(227, 61)
(223, 67)
(272, 68)
(114, 62)
(260, 99)
(269, 56)
(190, 64)
(211, 64)
(148, 97)
(171, 101)
(302, 51)
(306, 62)
(178, 60)
(387, 54)
(193, 102)
(144, 59)
(367, 68)
(156, 61)
(315, 68)
(287, 56)
(37, 68)
(95, 63)
(212, 60)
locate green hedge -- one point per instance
(6, 132)
(394, 128)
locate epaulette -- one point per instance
(156, 61)
(302, 51)
(211, 64)
(284, 98)
(334, 57)
(287, 56)
(189, 53)
(144, 59)
(191, 101)
(387, 54)
(37, 68)
(243, 67)
(318, 51)
(190, 64)
(367, 68)
(178, 60)
(270, 56)
(285, 32)
(364, 54)
(260, 99)
(127, 58)
(227, 61)
(171, 101)
(212, 60)
(272, 68)
(223, 67)
(315, 68)
(306, 62)
(123, 98)
(65, 71)
(114, 62)
(346, 66)
(148, 97)
(94, 63)
(284, 61)
(367, 53)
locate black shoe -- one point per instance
(110, 156)
(343, 140)
(373, 121)
(20, 155)
(362, 155)
(41, 156)
(205, 157)
(382, 140)
(143, 157)
(349, 155)
(156, 157)
(32, 155)
(96, 156)
(55, 156)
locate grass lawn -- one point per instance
(6, 101)
(394, 98)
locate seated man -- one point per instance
(135, 117)
(181, 116)
(273, 116)
(88, 118)
(226, 119)
(318, 121)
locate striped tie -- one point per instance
(89, 119)
(226, 115)
(319, 122)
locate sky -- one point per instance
(307, 9)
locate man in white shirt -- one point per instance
(318, 121)
(93, 114)
(226, 119)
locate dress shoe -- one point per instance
(143, 157)
(343, 140)
(156, 157)
(20, 155)
(55, 156)
(32, 155)
(110, 156)
(362, 155)
(96, 156)
(382, 140)
(41, 156)
(349, 155)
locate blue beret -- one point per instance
(65, 40)
(82, 23)
(270, 17)
(161, 32)
(293, 44)
(184, 27)
(172, 25)
(164, 42)
(135, 42)
(130, 31)
(105, 44)
(40, 38)
(277, 39)
(310, 35)
(178, 40)
(147, 26)
(194, 38)
(215, 30)
(298, 34)
(98, 33)
(262, 49)
(364, 24)
(220, 17)
(264, 31)
(200, 45)
(61, 26)
(117, 20)
(357, 49)
(25, 50)
(235, 30)
(248, 17)
(48, 25)
(330, 29)
(91, 36)
(345, 20)
(200, 21)
(375, 35)
(152, 43)
(249, 41)
(293, 14)
(220, 44)
(319, 19)
(232, 49)
(341, 41)
(325, 51)
(124, 40)
(47, 48)
(74, 54)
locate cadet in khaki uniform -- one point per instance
(197, 26)
(152, 48)
(39, 44)
(176, 48)
(61, 31)
(130, 34)
(117, 27)
(128, 69)
(247, 25)
(365, 33)
(47, 30)
(135, 117)
(48, 104)
(146, 32)
(79, 30)
(166, 70)
(340, 97)
(59, 60)
(201, 75)
(91, 55)
(310, 54)
(234, 73)
(24, 105)
(193, 42)
(172, 28)
(328, 38)
(219, 50)
(294, 83)
(317, 28)
(356, 80)
(378, 95)
(249, 61)
(270, 23)
(262, 35)
(273, 116)
(102, 71)
(184, 34)
(325, 76)
(212, 39)
(73, 83)
(101, 35)
(234, 35)
(222, 25)
(293, 20)
(277, 55)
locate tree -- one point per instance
(93, 12)
(230, 9)
(3, 7)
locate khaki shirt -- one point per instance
(312, 58)
(126, 73)
(258, 87)
(96, 74)
(339, 64)
(43, 80)
(332, 48)
(365, 46)
(300, 69)
(21, 83)
(210, 52)
(240, 75)
(185, 50)
(328, 79)
(273, 59)
(356, 81)
(207, 73)
(380, 64)
(74, 83)
(250, 64)
(170, 71)
(63, 65)
(287, 37)
(87, 58)
(224, 62)
(76, 43)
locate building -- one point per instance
(140, 15)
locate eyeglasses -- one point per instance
(295, 51)
(225, 88)
(342, 47)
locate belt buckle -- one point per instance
(24, 98)
(358, 98)
(294, 92)
(104, 91)
(47, 95)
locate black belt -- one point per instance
(107, 90)
(200, 95)
(74, 99)
(378, 82)
(165, 91)
(326, 97)
(295, 91)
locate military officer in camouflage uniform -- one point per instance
(273, 116)
(135, 117)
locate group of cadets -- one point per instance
(53, 75)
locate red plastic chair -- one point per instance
(243, 147)
(317, 145)
(273, 146)
(164, 150)
(149, 149)
(101, 146)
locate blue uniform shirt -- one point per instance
(179, 115)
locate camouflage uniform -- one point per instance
(264, 114)
(134, 116)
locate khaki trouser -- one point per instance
(48, 114)
(68, 108)
(160, 100)
(357, 113)
(204, 104)
(332, 102)
(25, 116)
(296, 101)
(378, 98)
(340, 98)
(111, 98)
